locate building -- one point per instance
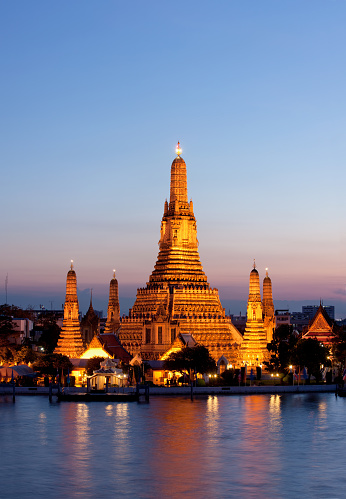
(178, 298)
(253, 351)
(311, 310)
(282, 317)
(113, 311)
(70, 342)
(268, 307)
(321, 328)
(90, 324)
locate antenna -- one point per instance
(6, 284)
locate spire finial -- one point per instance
(254, 263)
(71, 264)
(113, 273)
(91, 296)
(178, 149)
(266, 271)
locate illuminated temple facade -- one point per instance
(178, 298)
(254, 346)
(70, 342)
(113, 311)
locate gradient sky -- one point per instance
(95, 95)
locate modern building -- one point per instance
(311, 310)
(178, 298)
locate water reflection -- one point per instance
(42, 419)
(244, 447)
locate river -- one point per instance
(257, 446)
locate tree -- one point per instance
(281, 348)
(339, 347)
(50, 333)
(93, 364)
(195, 358)
(7, 328)
(25, 355)
(51, 363)
(310, 354)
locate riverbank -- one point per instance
(186, 390)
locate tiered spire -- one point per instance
(178, 260)
(113, 312)
(70, 342)
(254, 347)
(268, 307)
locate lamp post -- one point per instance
(291, 370)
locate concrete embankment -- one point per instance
(197, 391)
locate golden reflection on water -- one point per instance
(212, 415)
(76, 439)
(42, 419)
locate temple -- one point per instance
(70, 342)
(113, 311)
(178, 298)
(254, 347)
(321, 328)
(268, 307)
(90, 324)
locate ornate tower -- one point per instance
(70, 342)
(90, 324)
(254, 347)
(178, 298)
(113, 311)
(268, 307)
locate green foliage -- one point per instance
(93, 364)
(281, 348)
(50, 333)
(310, 354)
(25, 355)
(339, 347)
(196, 359)
(50, 363)
(6, 325)
(228, 377)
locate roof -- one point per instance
(321, 327)
(114, 347)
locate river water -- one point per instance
(257, 446)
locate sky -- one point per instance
(95, 96)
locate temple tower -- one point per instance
(178, 298)
(113, 311)
(268, 307)
(90, 324)
(254, 347)
(70, 342)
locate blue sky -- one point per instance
(95, 95)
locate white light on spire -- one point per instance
(178, 149)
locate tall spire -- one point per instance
(178, 260)
(268, 307)
(254, 347)
(70, 342)
(113, 311)
(178, 197)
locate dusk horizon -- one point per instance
(94, 104)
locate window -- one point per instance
(159, 335)
(147, 335)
